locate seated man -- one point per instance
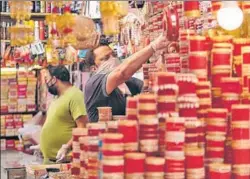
(112, 82)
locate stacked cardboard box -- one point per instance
(18, 91)
(31, 92)
(9, 128)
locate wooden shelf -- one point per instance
(8, 41)
(13, 113)
(42, 15)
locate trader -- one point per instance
(112, 81)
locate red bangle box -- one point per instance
(241, 156)
(185, 34)
(198, 60)
(113, 168)
(217, 113)
(221, 56)
(175, 124)
(231, 85)
(219, 171)
(155, 164)
(134, 163)
(191, 8)
(188, 112)
(216, 78)
(215, 152)
(215, 141)
(194, 158)
(240, 113)
(112, 138)
(222, 39)
(238, 44)
(129, 129)
(131, 102)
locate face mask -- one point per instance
(52, 89)
(108, 66)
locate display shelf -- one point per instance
(9, 137)
(26, 112)
(41, 15)
(8, 41)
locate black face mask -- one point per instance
(52, 89)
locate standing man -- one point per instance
(112, 81)
(66, 112)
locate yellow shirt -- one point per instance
(60, 121)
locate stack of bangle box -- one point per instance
(166, 89)
(111, 155)
(241, 141)
(184, 126)
(77, 133)
(148, 123)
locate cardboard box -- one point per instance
(9, 125)
(18, 124)
(10, 132)
(26, 118)
(10, 144)
(9, 118)
(3, 144)
(18, 145)
(3, 132)
(17, 117)
(12, 108)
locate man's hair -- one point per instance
(90, 57)
(60, 72)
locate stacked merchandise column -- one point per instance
(131, 108)
(148, 124)
(245, 74)
(216, 131)
(94, 130)
(112, 152)
(21, 91)
(188, 103)
(31, 92)
(241, 141)
(238, 43)
(221, 65)
(77, 133)
(175, 148)
(84, 156)
(203, 91)
(166, 90)
(185, 34)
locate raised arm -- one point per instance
(126, 70)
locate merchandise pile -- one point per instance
(193, 118)
(18, 91)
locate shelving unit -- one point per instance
(13, 113)
(33, 15)
(8, 41)
(15, 137)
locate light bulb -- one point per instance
(230, 16)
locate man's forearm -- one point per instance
(135, 61)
